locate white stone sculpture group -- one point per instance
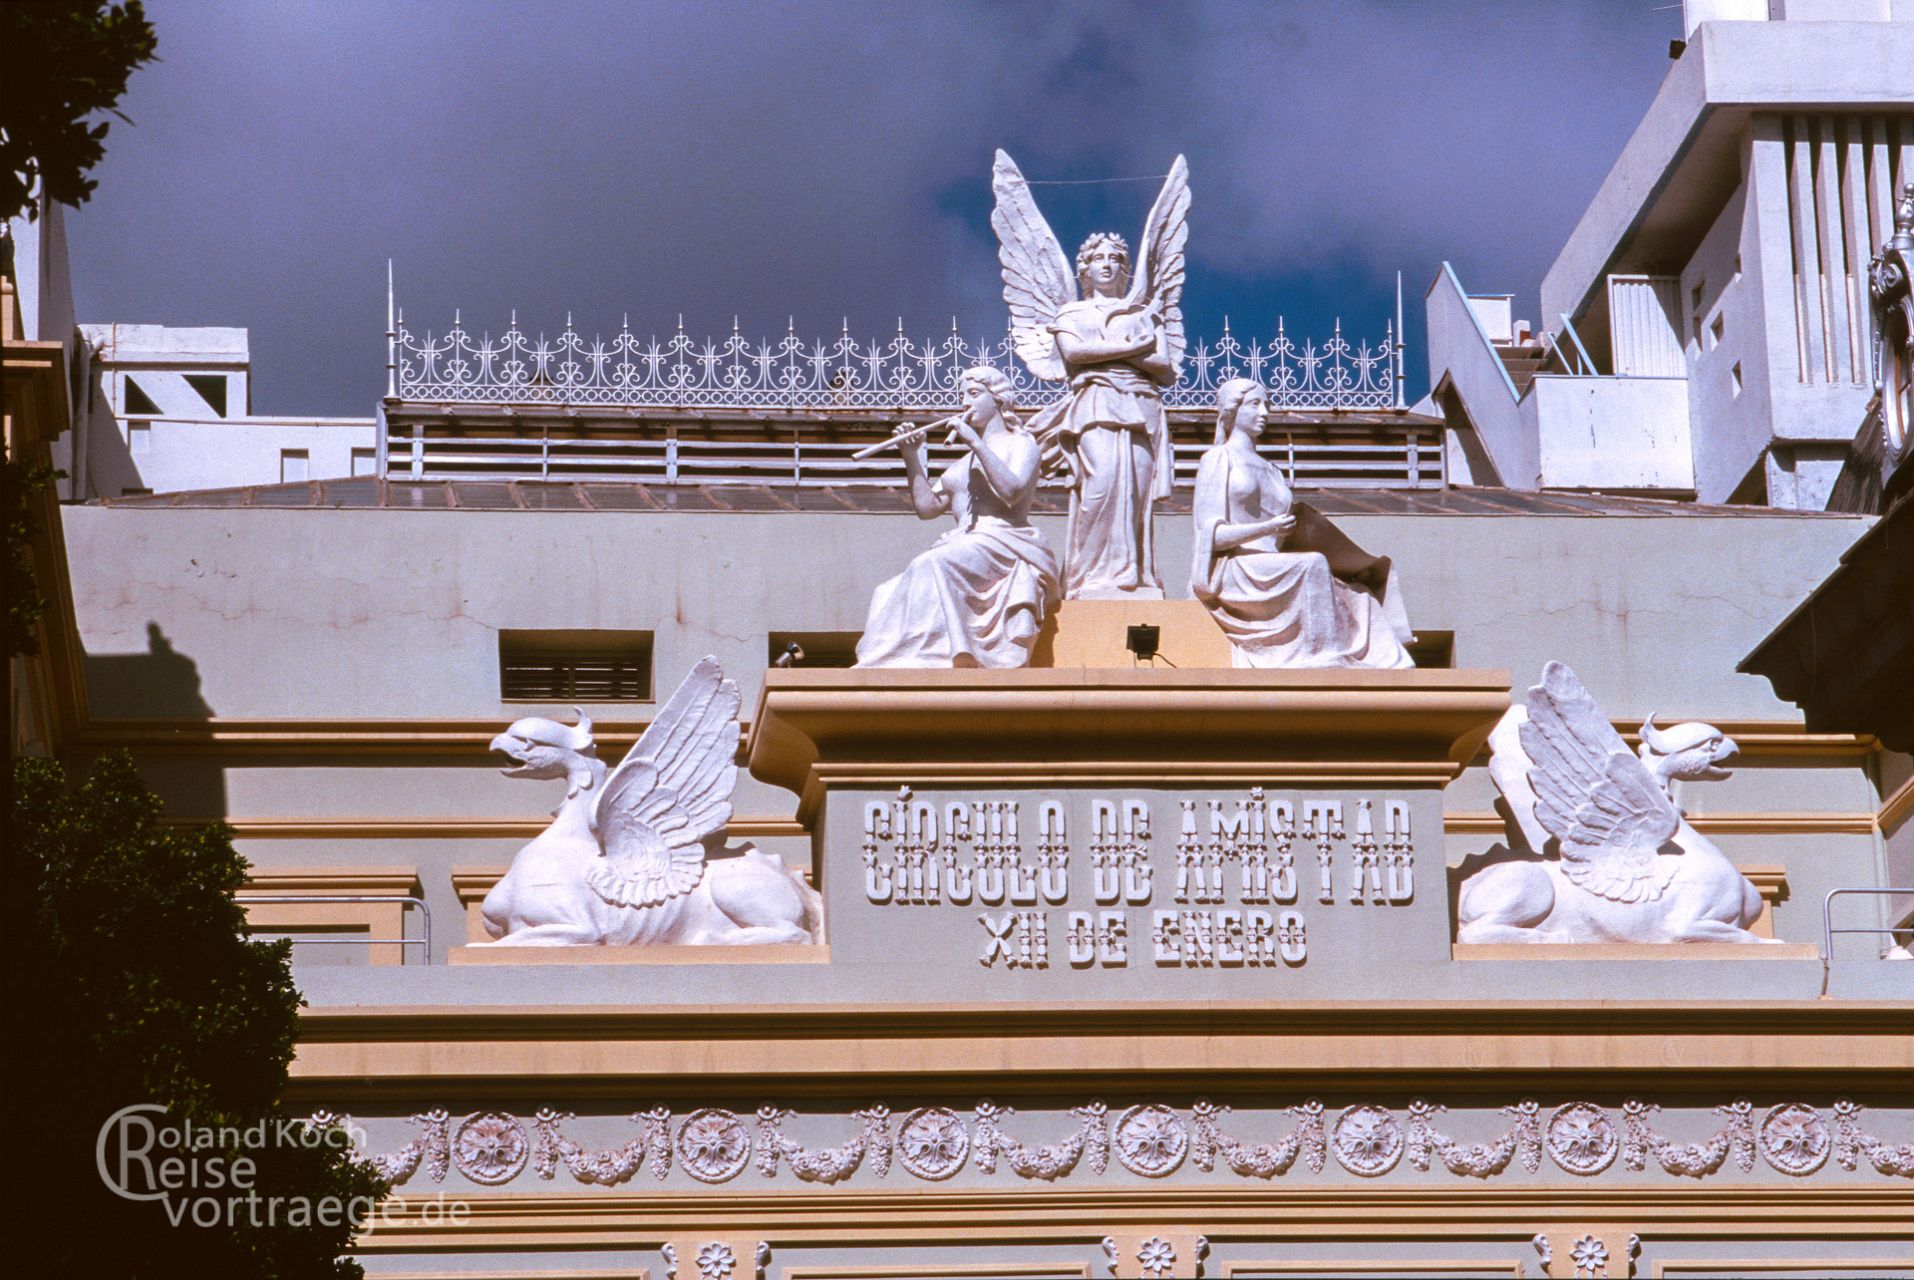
(627, 857)
(1601, 851)
(1285, 586)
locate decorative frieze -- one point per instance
(1691, 1159)
(605, 1168)
(1477, 1159)
(1851, 1145)
(1149, 1140)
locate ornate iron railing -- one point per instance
(682, 373)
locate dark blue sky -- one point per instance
(831, 160)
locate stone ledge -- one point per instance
(767, 953)
(1602, 952)
(1061, 727)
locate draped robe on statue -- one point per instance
(1292, 607)
(1118, 441)
(977, 597)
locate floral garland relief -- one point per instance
(1152, 1140)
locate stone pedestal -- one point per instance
(1091, 634)
(1113, 834)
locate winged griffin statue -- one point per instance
(1613, 858)
(1118, 345)
(624, 862)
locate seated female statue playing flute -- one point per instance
(977, 597)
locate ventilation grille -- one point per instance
(574, 666)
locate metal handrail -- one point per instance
(1588, 364)
(1828, 931)
(425, 912)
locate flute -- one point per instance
(909, 431)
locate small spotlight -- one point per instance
(1141, 641)
(792, 655)
(1676, 48)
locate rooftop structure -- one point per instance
(1705, 329)
(792, 412)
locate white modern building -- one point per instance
(1704, 332)
(178, 416)
(164, 409)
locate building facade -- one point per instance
(1133, 962)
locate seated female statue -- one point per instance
(1273, 573)
(978, 596)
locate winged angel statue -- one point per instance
(1117, 345)
(625, 860)
(1628, 867)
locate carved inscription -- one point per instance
(1226, 893)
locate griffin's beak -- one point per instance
(1723, 753)
(503, 745)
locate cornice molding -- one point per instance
(1897, 808)
(1727, 824)
(410, 1051)
(921, 1215)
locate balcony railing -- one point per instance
(898, 374)
(1354, 458)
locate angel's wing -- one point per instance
(671, 791)
(1037, 279)
(1159, 258)
(1593, 795)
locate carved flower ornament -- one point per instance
(1590, 1256)
(1367, 1141)
(1156, 1257)
(716, 1262)
(1151, 1140)
(932, 1143)
(1795, 1139)
(490, 1148)
(713, 1145)
(1582, 1139)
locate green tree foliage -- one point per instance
(24, 601)
(135, 983)
(61, 61)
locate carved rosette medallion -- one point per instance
(713, 1145)
(490, 1147)
(1151, 1140)
(932, 1142)
(1582, 1139)
(1367, 1141)
(1795, 1139)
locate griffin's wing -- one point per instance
(1159, 258)
(1509, 767)
(1592, 794)
(671, 791)
(1037, 279)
